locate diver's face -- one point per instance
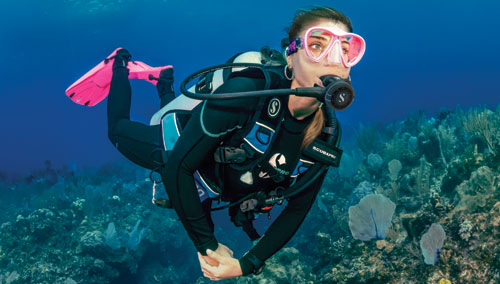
(307, 72)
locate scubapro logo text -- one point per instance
(324, 152)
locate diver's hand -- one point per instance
(229, 267)
(222, 250)
(207, 260)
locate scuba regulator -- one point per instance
(338, 93)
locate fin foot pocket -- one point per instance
(165, 86)
(122, 57)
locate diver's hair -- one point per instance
(302, 19)
(313, 130)
(305, 17)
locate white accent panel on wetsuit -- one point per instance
(181, 102)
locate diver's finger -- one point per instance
(202, 262)
(211, 269)
(226, 248)
(205, 271)
(201, 259)
(204, 266)
(217, 257)
(211, 277)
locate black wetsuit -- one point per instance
(212, 122)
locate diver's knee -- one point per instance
(113, 138)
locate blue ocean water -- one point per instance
(423, 55)
(420, 55)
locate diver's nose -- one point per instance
(334, 56)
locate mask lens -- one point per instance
(318, 42)
(353, 48)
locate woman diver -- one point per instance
(321, 43)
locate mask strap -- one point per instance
(294, 46)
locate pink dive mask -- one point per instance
(333, 43)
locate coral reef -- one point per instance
(98, 225)
(87, 237)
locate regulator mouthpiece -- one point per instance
(339, 93)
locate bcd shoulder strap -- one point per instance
(250, 145)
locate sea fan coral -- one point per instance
(371, 217)
(432, 242)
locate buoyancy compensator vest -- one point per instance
(250, 145)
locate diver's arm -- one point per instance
(209, 123)
(283, 228)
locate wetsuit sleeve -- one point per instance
(209, 124)
(284, 227)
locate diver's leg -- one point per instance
(166, 92)
(138, 142)
(165, 86)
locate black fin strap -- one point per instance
(126, 56)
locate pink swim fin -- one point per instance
(93, 87)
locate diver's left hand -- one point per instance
(229, 267)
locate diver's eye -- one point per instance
(345, 47)
(316, 46)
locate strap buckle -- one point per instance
(230, 154)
